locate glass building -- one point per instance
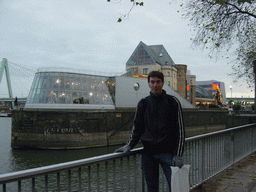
(207, 89)
(66, 88)
(57, 89)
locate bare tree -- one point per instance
(126, 15)
(223, 24)
(246, 54)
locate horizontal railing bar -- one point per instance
(219, 132)
(19, 175)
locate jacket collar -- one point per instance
(158, 96)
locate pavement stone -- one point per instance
(240, 177)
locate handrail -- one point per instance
(18, 175)
(218, 132)
(208, 154)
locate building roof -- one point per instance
(161, 54)
(157, 52)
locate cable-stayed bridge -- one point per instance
(15, 80)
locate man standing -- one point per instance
(159, 125)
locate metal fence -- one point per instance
(207, 154)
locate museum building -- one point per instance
(55, 89)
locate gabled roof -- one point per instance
(157, 52)
(161, 54)
(150, 51)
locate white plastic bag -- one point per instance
(180, 179)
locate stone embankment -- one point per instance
(77, 129)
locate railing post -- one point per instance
(233, 146)
(89, 178)
(58, 181)
(142, 180)
(121, 173)
(106, 176)
(114, 175)
(80, 179)
(19, 186)
(251, 134)
(33, 184)
(203, 157)
(135, 172)
(98, 177)
(46, 183)
(69, 180)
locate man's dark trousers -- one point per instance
(150, 164)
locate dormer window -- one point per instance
(160, 54)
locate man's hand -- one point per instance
(177, 161)
(124, 149)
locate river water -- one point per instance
(15, 159)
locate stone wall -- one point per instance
(70, 129)
(235, 120)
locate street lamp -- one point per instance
(231, 90)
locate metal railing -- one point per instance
(207, 154)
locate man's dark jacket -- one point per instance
(159, 125)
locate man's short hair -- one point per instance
(157, 74)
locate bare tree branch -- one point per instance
(221, 24)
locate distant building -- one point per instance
(58, 89)
(205, 91)
(191, 87)
(146, 58)
(153, 58)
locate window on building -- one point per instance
(169, 83)
(145, 71)
(168, 74)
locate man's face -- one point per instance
(156, 85)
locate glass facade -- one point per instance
(71, 88)
(201, 92)
(140, 57)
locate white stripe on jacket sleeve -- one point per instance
(181, 130)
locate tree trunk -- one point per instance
(254, 68)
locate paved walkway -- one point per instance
(241, 177)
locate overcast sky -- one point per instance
(85, 34)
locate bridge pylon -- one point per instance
(4, 67)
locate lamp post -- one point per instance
(231, 96)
